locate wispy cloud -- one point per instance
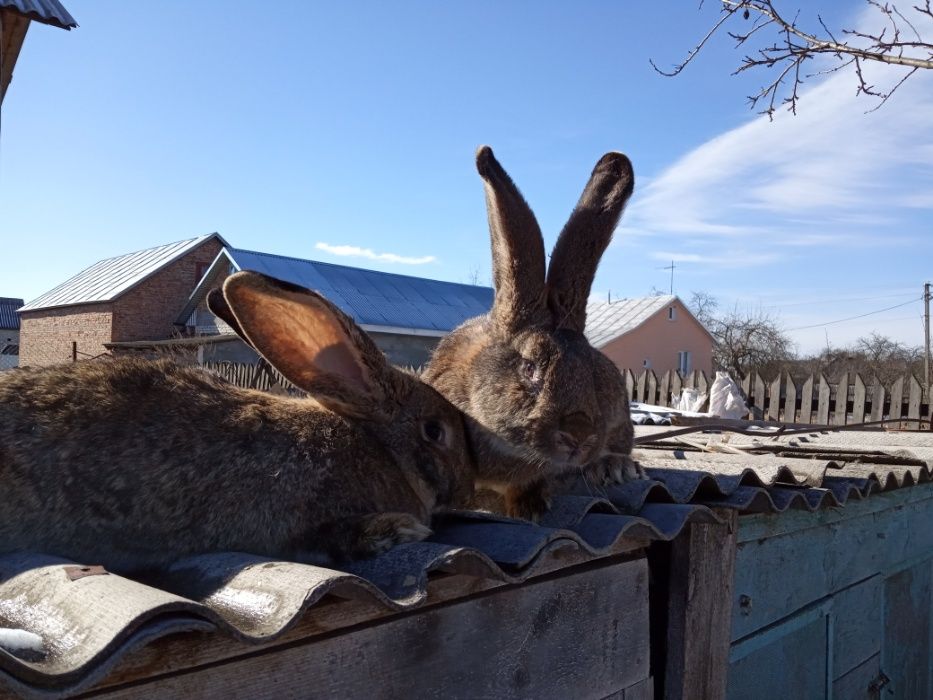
(353, 251)
(841, 171)
(738, 259)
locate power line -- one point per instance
(853, 318)
(811, 302)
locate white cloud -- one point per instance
(357, 252)
(840, 170)
(720, 258)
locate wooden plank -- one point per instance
(759, 403)
(664, 390)
(842, 400)
(182, 652)
(897, 398)
(857, 624)
(858, 399)
(822, 560)
(822, 409)
(788, 660)
(906, 650)
(699, 603)
(677, 384)
(857, 684)
(641, 387)
(877, 400)
(790, 399)
(652, 388)
(629, 384)
(914, 398)
(773, 410)
(583, 634)
(806, 401)
(643, 690)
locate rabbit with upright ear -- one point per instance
(134, 464)
(542, 400)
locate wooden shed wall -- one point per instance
(837, 603)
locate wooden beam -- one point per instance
(13, 28)
(699, 626)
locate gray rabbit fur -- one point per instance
(133, 464)
(543, 402)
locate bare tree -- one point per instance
(870, 356)
(897, 44)
(744, 340)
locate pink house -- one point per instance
(656, 332)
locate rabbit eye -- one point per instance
(433, 431)
(529, 369)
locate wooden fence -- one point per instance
(817, 400)
(261, 375)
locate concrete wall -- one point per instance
(659, 339)
(46, 335)
(406, 350)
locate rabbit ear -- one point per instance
(585, 237)
(517, 249)
(219, 307)
(313, 344)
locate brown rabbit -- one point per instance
(133, 464)
(543, 401)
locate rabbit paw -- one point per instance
(379, 533)
(614, 469)
(528, 503)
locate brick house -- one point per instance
(131, 297)
(656, 332)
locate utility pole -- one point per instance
(926, 333)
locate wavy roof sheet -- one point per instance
(107, 279)
(45, 11)
(87, 624)
(8, 316)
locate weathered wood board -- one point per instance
(582, 633)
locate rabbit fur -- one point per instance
(543, 402)
(133, 464)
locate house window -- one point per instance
(683, 362)
(646, 363)
(671, 313)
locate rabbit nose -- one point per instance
(575, 430)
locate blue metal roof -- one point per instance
(8, 316)
(45, 11)
(376, 298)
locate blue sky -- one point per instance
(318, 130)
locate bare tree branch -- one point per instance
(898, 44)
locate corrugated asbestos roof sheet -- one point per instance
(606, 321)
(108, 279)
(45, 11)
(8, 316)
(376, 298)
(90, 623)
